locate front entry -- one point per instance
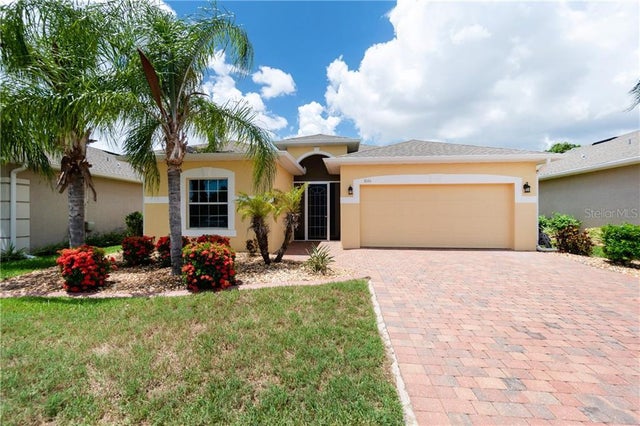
(320, 208)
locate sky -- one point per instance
(505, 74)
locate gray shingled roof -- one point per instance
(416, 148)
(587, 157)
(106, 164)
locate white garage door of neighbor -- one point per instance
(447, 216)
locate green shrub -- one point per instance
(134, 224)
(557, 222)
(11, 253)
(319, 259)
(621, 242)
(208, 266)
(137, 250)
(106, 239)
(571, 239)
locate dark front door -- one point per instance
(317, 209)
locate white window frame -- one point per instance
(204, 173)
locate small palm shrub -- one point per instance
(134, 222)
(137, 250)
(319, 259)
(84, 268)
(208, 266)
(621, 242)
(11, 253)
(571, 239)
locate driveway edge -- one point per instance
(407, 409)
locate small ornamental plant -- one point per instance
(215, 239)
(84, 268)
(208, 266)
(163, 247)
(137, 250)
(571, 239)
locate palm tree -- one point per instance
(258, 208)
(173, 57)
(58, 87)
(289, 204)
(635, 92)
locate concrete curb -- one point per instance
(409, 416)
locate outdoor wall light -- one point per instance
(526, 188)
(350, 190)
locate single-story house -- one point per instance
(411, 194)
(34, 214)
(598, 184)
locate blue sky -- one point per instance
(512, 74)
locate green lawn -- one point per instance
(296, 355)
(14, 268)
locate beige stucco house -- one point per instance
(34, 214)
(598, 184)
(411, 194)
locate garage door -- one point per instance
(455, 216)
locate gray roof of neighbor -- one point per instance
(106, 164)
(621, 150)
(417, 148)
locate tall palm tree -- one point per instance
(258, 208)
(635, 92)
(173, 58)
(289, 204)
(57, 88)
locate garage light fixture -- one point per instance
(526, 188)
(350, 190)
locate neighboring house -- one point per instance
(599, 184)
(41, 213)
(411, 194)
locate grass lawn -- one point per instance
(14, 268)
(296, 355)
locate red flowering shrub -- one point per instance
(137, 250)
(163, 247)
(84, 268)
(215, 239)
(208, 266)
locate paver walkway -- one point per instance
(499, 337)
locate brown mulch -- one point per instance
(151, 280)
(633, 268)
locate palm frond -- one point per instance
(138, 148)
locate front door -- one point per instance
(317, 211)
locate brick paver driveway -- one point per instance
(497, 337)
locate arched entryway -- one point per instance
(320, 218)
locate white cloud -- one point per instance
(222, 89)
(276, 82)
(312, 122)
(498, 73)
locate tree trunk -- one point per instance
(76, 211)
(291, 222)
(262, 235)
(175, 220)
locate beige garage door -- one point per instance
(460, 216)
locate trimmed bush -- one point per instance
(571, 239)
(208, 266)
(134, 224)
(137, 250)
(557, 222)
(621, 242)
(214, 239)
(84, 268)
(163, 247)
(105, 240)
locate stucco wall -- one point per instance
(49, 209)
(156, 208)
(524, 208)
(598, 198)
